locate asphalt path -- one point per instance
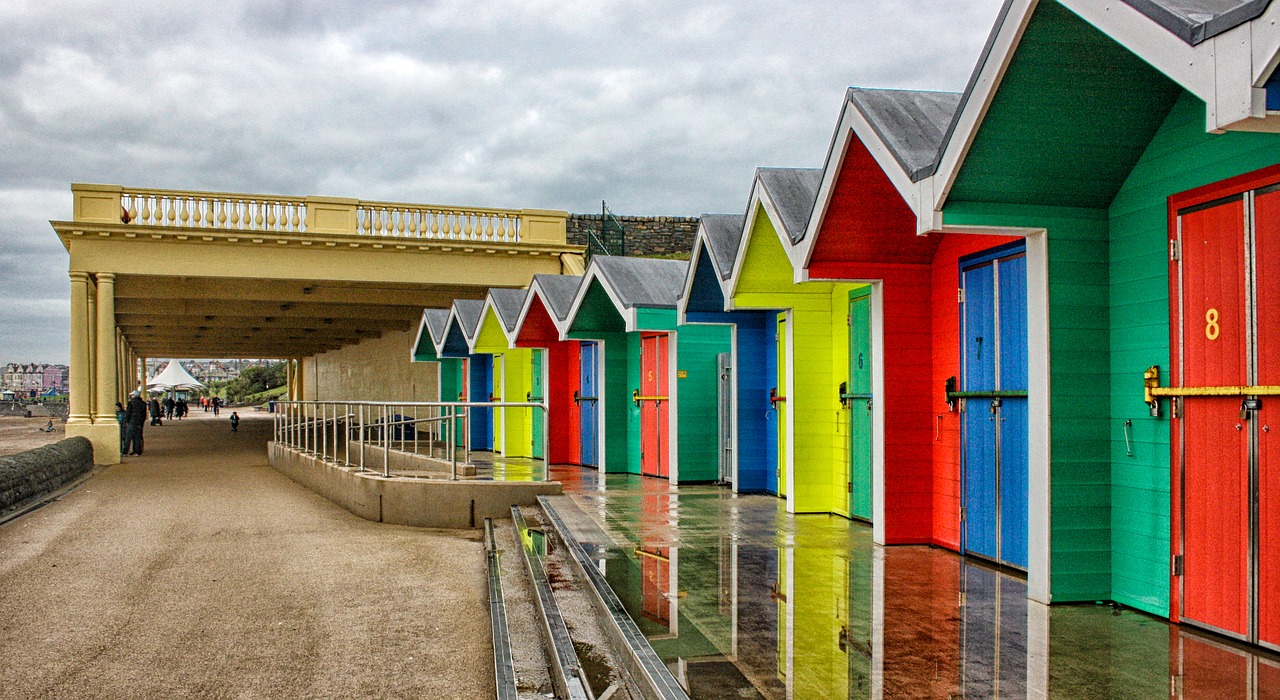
(196, 570)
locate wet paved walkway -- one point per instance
(742, 600)
(198, 571)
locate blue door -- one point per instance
(588, 401)
(481, 385)
(770, 414)
(994, 375)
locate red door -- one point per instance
(1228, 283)
(1266, 256)
(655, 449)
(1215, 469)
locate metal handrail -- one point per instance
(328, 429)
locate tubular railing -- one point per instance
(342, 432)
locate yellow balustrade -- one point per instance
(311, 214)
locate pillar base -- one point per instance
(105, 438)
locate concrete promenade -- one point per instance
(198, 571)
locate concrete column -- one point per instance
(106, 370)
(142, 376)
(78, 371)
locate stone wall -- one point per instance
(646, 235)
(39, 472)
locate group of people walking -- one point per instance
(132, 416)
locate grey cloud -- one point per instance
(660, 106)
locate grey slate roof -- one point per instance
(1194, 21)
(724, 235)
(910, 122)
(558, 291)
(643, 281)
(793, 191)
(469, 311)
(437, 320)
(507, 302)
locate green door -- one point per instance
(858, 401)
(536, 394)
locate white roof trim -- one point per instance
(1226, 71)
(535, 289)
(853, 124)
(699, 244)
(489, 307)
(759, 198)
(593, 273)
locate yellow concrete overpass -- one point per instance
(177, 274)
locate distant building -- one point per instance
(55, 377)
(31, 378)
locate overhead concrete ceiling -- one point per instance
(186, 316)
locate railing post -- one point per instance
(361, 409)
(331, 215)
(543, 226)
(546, 440)
(96, 203)
(453, 446)
(346, 435)
(386, 442)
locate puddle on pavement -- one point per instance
(741, 600)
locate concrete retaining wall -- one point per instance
(39, 472)
(408, 501)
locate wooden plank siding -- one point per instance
(696, 409)
(1079, 328)
(1181, 156)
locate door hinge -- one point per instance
(1176, 565)
(960, 295)
(1175, 406)
(850, 487)
(1175, 250)
(848, 320)
(962, 514)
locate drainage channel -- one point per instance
(503, 666)
(567, 674)
(649, 675)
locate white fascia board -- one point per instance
(534, 290)
(682, 304)
(775, 220)
(448, 324)
(593, 273)
(417, 339)
(489, 307)
(853, 125)
(748, 224)
(972, 112)
(1226, 71)
(1265, 39)
(1189, 66)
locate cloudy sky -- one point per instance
(657, 106)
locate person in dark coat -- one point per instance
(120, 420)
(134, 415)
(169, 405)
(155, 412)
(181, 408)
(217, 402)
(235, 422)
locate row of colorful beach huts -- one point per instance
(1036, 322)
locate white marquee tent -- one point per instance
(173, 377)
